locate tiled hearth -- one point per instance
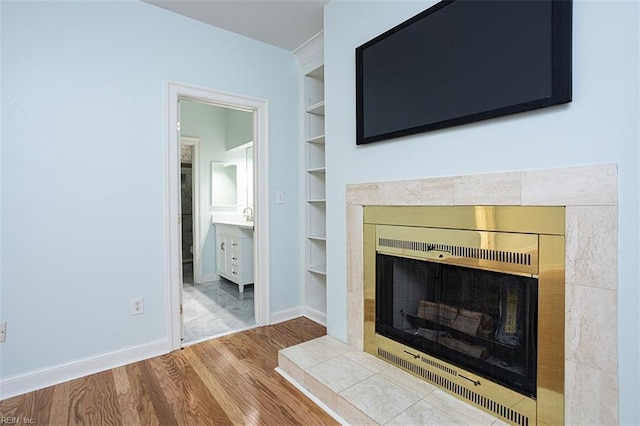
(361, 389)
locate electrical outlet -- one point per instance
(3, 331)
(137, 306)
(280, 197)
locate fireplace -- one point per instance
(471, 299)
(583, 385)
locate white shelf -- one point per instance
(316, 109)
(317, 170)
(315, 192)
(320, 237)
(318, 269)
(317, 73)
(317, 139)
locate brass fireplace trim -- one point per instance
(494, 251)
(497, 400)
(522, 219)
(545, 225)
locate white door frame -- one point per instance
(262, 286)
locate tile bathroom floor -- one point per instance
(214, 308)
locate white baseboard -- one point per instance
(289, 314)
(312, 397)
(316, 315)
(285, 315)
(42, 378)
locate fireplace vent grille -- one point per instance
(463, 392)
(460, 251)
(440, 366)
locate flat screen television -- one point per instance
(462, 61)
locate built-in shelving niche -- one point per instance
(315, 179)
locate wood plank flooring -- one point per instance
(229, 380)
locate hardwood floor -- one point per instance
(230, 380)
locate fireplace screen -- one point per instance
(482, 321)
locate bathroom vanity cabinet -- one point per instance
(235, 253)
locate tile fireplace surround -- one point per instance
(354, 384)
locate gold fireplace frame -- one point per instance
(485, 229)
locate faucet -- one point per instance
(248, 213)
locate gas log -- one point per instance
(476, 324)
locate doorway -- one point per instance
(257, 173)
(216, 300)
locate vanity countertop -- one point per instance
(233, 222)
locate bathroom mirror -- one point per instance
(224, 185)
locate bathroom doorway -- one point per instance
(202, 301)
(215, 301)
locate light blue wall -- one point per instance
(599, 126)
(83, 169)
(240, 129)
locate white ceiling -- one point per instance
(283, 23)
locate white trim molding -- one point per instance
(311, 50)
(41, 378)
(286, 315)
(260, 109)
(315, 315)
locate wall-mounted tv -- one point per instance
(462, 61)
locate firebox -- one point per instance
(471, 299)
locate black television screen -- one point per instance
(462, 61)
